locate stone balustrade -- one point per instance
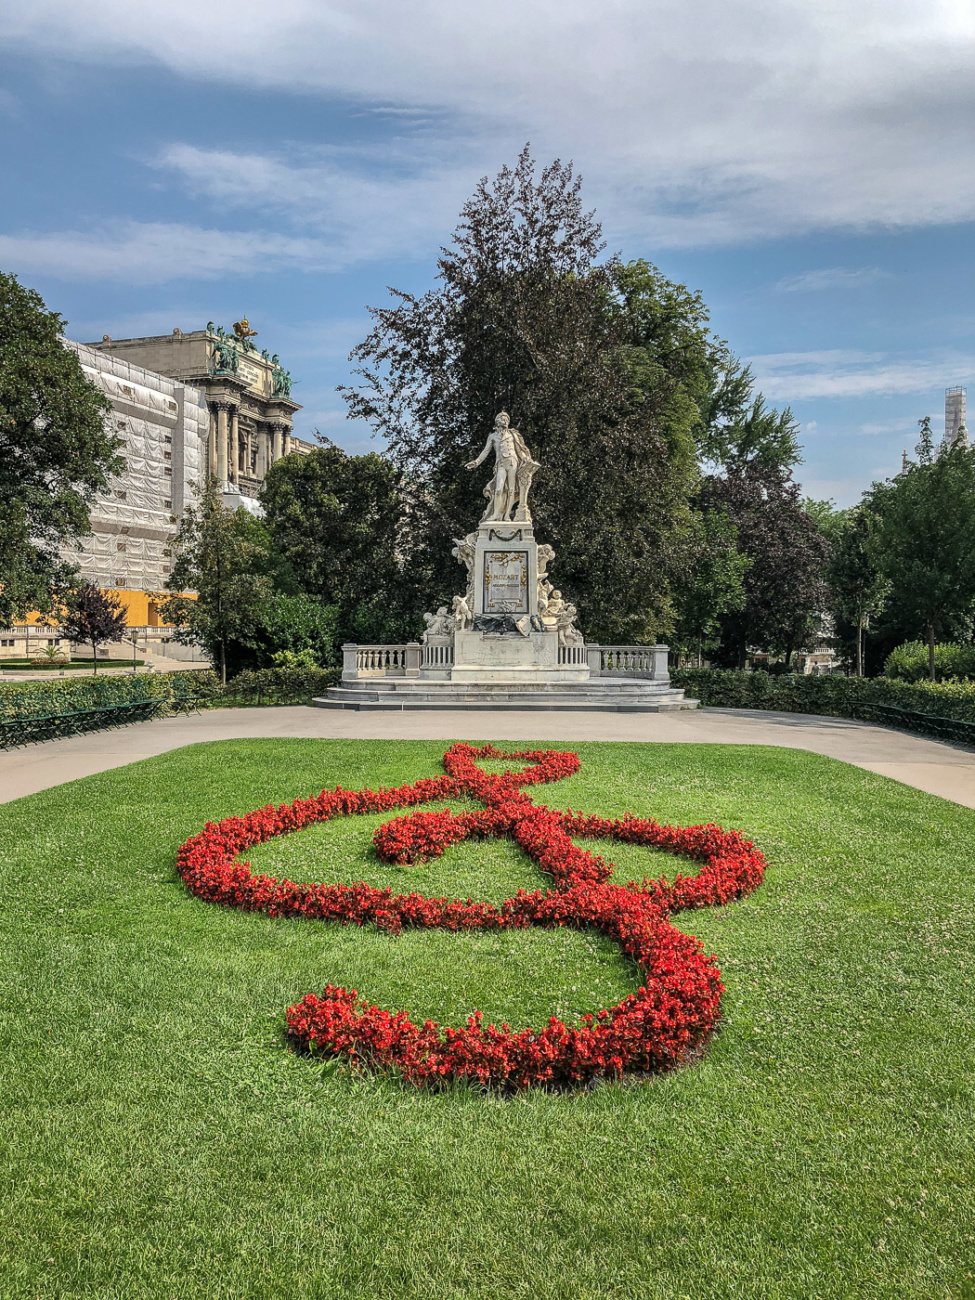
(380, 660)
(437, 654)
(572, 654)
(646, 661)
(436, 657)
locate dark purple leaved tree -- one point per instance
(93, 617)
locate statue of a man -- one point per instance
(513, 468)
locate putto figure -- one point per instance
(513, 473)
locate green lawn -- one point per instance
(157, 1139)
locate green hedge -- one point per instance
(194, 688)
(75, 694)
(276, 686)
(833, 696)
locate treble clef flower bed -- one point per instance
(671, 1013)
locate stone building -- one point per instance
(247, 394)
(184, 406)
(163, 426)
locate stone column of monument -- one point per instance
(277, 449)
(222, 441)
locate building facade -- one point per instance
(247, 394)
(185, 406)
(163, 426)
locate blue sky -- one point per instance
(808, 168)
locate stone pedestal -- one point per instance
(505, 571)
(509, 642)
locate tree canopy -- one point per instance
(92, 617)
(246, 605)
(337, 522)
(609, 370)
(54, 448)
(924, 541)
(783, 585)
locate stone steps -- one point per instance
(600, 695)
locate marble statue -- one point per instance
(463, 618)
(513, 472)
(439, 624)
(463, 553)
(569, 634)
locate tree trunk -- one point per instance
(859, 647)
(931, 652)
(223, 663)
(742, 656)
(788, 657)
(94, 657)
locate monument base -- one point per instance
(485, 657)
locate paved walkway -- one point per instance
(929, 765)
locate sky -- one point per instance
(808, 168)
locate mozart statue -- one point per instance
(513, 473)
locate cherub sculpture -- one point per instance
(463, 617)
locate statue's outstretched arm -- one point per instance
(473, 464)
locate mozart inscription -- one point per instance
(505, 582)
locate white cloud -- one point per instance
(360, 204)
(136, 252)
(695, 123)
(831, 277)
(802, 376)
(874, 430)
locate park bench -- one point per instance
(15, 732)
(932, 724)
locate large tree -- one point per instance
(337, 520)
(784, 589)
(55, 453)
(858, 589)
(225, 559)
(611, 373)
(924, 541)
(711, 585)
(526, 319)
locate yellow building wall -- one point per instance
(141, 608)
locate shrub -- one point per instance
(277, 686)
(832, 696)
(909, 662)
(74, 695)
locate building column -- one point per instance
(234, 449)
(276, 448)
(212, 443)
(287, 440)
(222, 441)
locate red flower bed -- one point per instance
(676, 1006)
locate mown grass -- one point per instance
(157, 1139)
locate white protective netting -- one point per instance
(163, 426)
